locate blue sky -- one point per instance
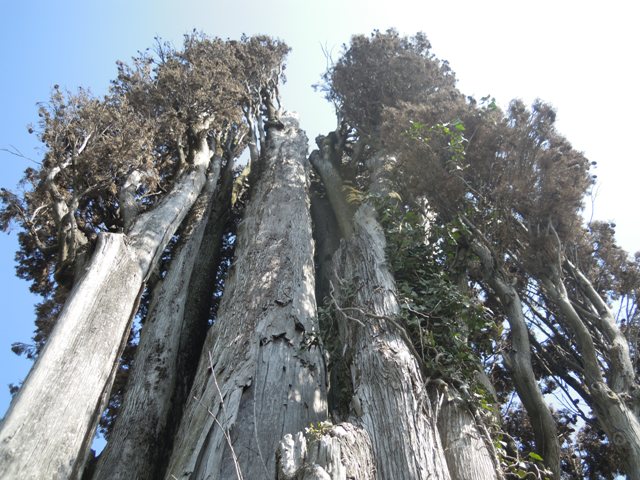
(579, 57)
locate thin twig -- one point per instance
(19, 154)
(226, 436)
(341, 309)
(225, 431)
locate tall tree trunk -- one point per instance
(389, 397)
(140, 441)
(200, 295)
(262, 373)
(51, 421)
(518, 361)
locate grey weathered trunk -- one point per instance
(50, 423)
(139, 442)
(324, 163)
(201, 288)
(389, 398)
(613, 401)
(261, 374)
(466, 443)
(518, 360)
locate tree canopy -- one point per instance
(108, 159)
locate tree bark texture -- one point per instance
(390, 399)
(262, 372)
(465, 443)
(51, 421)
(343, 452)
(139, 442)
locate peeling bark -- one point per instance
(51, 421)
(344, 452)
(261, 374)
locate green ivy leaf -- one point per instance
(535, 456)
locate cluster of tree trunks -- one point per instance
(261, 374)
(391, 427)
(258, 406)
(51, 422)
(307, 370)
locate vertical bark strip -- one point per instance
(464, 444)
(261, 374)
(51, 421)
(138, 444)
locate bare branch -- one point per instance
(14, 151)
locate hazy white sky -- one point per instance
(579, 56)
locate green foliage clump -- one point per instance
(315, 431)
(439, 314)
